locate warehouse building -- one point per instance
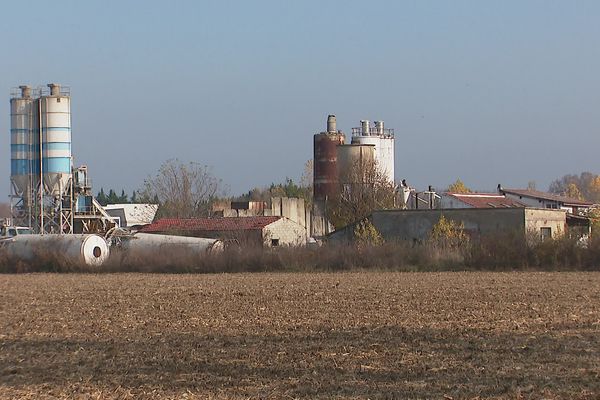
(535, 198)
(254, 231)
(477, 200)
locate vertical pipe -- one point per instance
(365, 127)
(41, 189)
(30, 192)
(60, 210)
(331, 124)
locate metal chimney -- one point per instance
(25, 91)
(365, 127)
(54, 89)
(331, 124)
(379, 127)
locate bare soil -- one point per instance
(272, 336)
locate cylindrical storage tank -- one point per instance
(77, 250)
(331, 124)
(325, 164)
(385, 157)
(352, 156)
(55, 121)
(148, 247)
(364, 124)
(20, 142)
(384, 152)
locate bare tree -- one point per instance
(183, 190)
(363, 188)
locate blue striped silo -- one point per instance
(55, 122)
(20, 141)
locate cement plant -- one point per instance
(353, 185)
(51, 201)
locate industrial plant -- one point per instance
(52, 203)
(48, 194)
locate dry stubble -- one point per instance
(345, 335)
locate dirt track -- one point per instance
(359, 335)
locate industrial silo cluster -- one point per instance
(332, 157)
(54, 213)
(41, 161)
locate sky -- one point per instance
(486, 91)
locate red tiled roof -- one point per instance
(210, 224)
(536, 194)
(486, 200)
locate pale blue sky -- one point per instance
(488, 91)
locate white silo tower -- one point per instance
(55, 124)
(41, 162)
(20, 141)
(382, 139)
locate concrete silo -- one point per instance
(382, 139)
(41, 162)
(55, 124)
(325, 178)
(325, 160)
(20, 142)
(352, 156)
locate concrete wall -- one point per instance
(556, 220)
(292, 208)
(319, 224)
(286, 231)
(415, 225)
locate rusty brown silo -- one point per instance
(325, 160)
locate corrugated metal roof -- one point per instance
(210, 224)
(536, 194)
(486, 200)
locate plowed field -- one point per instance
(344, 335)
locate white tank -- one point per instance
(20, 142)
(78, 250)
(384, 152)
(150, 247)
(55, 122)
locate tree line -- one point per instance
(113, 198)
(187, 190)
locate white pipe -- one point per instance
(147, 243)
(90, 250)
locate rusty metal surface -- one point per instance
(325, 163)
